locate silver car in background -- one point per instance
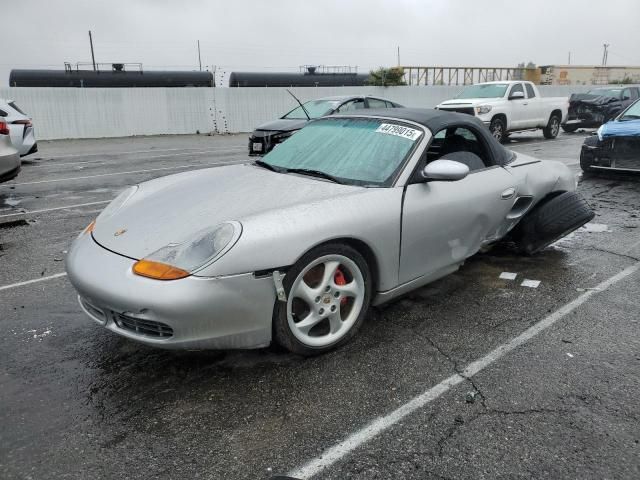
(20, 127)
(9, 158)
(351, 211)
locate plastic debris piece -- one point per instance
(508, 276)
(470, 397)
(569, 355)
(530, 283)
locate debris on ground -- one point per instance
(508, 276)
(530, 283)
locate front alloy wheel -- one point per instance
(328, 293)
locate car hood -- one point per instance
(172, 209)
(591, 99)
(281, 125)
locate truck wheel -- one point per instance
(553, 127)
(497, 128)
(570, 128)
(551, 221)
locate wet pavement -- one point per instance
(77, 401)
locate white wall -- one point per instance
(118, 112)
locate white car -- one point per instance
(20, 127)
(9, 158)
(510, 106)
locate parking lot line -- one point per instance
(176, 167)
(379, 425)
(49, 163)
(135, 151)
(33, 212)
(35, 280)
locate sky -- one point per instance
(281, 35)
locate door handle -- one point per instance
(508, 193)
(525, 104)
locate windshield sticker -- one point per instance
(399, 131)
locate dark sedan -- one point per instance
(598, 106)
(270, 134)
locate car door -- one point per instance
(536, 107)
(443, 223)
(518, 107)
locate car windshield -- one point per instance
(487, 90)
(316, 109)
(606, 92)
(632, 113)
(357, 151)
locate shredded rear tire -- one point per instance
(551, 221)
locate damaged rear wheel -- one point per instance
(552, 220)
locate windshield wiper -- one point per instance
(301, 105)
(314, 173)
(266, 165)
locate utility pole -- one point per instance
(199, 59)
(398, 55)
(93, 58)
(569, 59)
(605, 54)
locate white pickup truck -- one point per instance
(510, 106)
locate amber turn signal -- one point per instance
(89, 228)
(158, 270)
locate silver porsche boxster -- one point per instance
(351, 211)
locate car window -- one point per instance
(351, 105)
(15, 107)
(516, 88)
(375, 103)
(315, 109)
(530, 91)
(458, 139)
(390, 105)
(626, 94)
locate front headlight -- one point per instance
(280, 137)
(179, 260)
(118, 202)
(482, 109)
(599, 132)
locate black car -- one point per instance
(270, 134)
(616, 145)
(598, 106)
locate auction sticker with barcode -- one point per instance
(399, 131)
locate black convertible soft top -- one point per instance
(436, 120)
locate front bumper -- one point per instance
(619, 153)
(9, 166)
(190, 313)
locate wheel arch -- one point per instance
(362, 247)
(557, 112)
(503, 117)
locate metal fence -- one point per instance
(120, 112)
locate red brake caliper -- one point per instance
(339, 279)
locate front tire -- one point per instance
(553, 127)
(497, 128)
(328, 295)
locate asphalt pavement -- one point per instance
(473, 376)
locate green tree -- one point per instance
(386, 77)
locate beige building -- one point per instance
(587, 75)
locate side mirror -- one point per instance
(516, 96)
(445, 170)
